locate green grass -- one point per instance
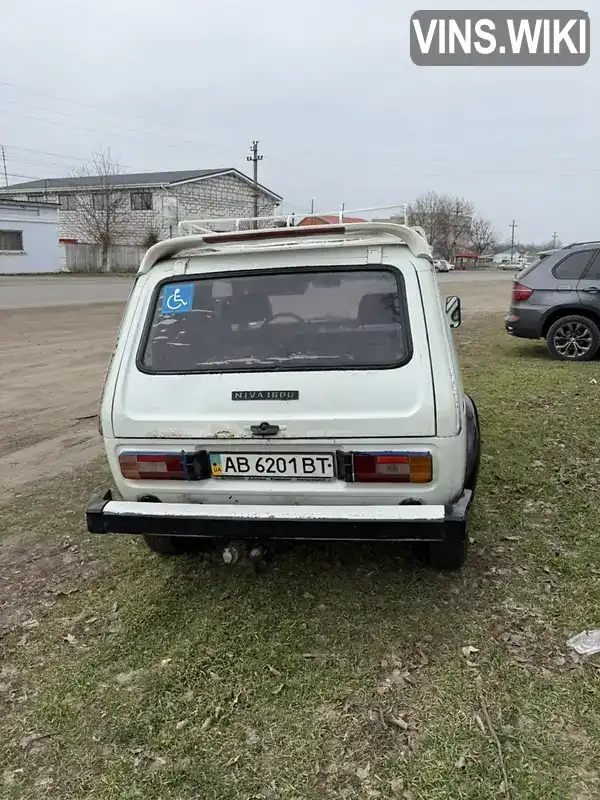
(340, 671)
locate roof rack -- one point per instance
(192, 226)
(212, 241)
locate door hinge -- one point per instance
(374, 255)
(180, 266)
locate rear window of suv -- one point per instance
(342, 318)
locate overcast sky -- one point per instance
(327, 87)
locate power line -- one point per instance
(273, 152)
(30, 177)
(40, 163)
(173, 125)
(164, 141)
(45, 152)
(90, 105)
(87, 119)
(81, 128)
(105, 124)
(93, 106)
(47, 163)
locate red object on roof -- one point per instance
(328, 219)
(467, 255)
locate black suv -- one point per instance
(558, 298)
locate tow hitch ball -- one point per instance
(241, 552)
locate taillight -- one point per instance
(520, 292)
(153, 467)
(391, 468)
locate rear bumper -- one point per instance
(211, 521)
(524, 323)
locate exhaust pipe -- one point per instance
(239, 551)
(234, 552)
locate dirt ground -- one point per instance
(53, 364)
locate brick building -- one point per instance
(147, 205)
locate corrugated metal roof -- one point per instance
(133, 179)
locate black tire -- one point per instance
(473, 445)
(573, 338)
(450, 554)
(175, 545)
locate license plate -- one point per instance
(301, 466)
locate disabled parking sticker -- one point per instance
(177, 298)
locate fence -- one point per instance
(88, 258)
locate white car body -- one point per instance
(416, 408)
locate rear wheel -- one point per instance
(573, 338)
(450, 554)
(175, 545)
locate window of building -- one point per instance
(99, 201)
(11, 241)
(68, 202)
(141, 201)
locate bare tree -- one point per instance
(103, 213)
(428, 211)
(551, 244)
(445, 219)
(459, 222)
(152, 231)
(483, 235)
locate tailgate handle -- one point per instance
(264, 429)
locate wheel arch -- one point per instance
(566, 311)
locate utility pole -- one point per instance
(4, 164)
(554, 237)
(312, 207)
(512, 240)
(255, 158)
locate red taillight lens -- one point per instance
(154, 467)
(520, 292)
(392, 468)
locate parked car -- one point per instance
(441, 265)
(558, 298)
(289, 383)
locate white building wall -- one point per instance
(219, 196)
(40, 239)
(505, 256)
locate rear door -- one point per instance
(569, 272)
(322, 351)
